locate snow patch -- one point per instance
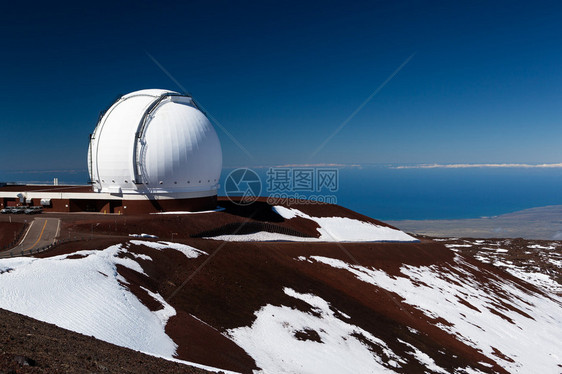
(424, 359)
(143, 236)
(285, 212)
(194, 364)
(341, 229)
(538, 246)
(85, 295)
(557, 263)
(167, 310)
(141, 256)
(187, 250)
(271, 341)
(219, 209)
(261, 236)
(539, 280)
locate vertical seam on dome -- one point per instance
(141, 130)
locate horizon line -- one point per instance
(341, 165)
(466, 166)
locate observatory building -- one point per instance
(151, 151)
(156, 149)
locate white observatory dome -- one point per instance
(155, 143)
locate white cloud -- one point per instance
(465, 166)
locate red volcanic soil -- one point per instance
(242, 277)
(222, 290)
(31, 346)
(9, 231)
(240, 219)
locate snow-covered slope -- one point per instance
(538, 264)
(297, 307)
(495, 316)
(86, 295)
(84, 292)
(518, 330)
(331, 229)
(287, 340)
(343, 229)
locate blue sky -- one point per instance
(484, 84)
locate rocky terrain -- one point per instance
(537, 261)
(306, 288)
(31, 346)
(9, 232)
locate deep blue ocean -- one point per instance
(391, 194)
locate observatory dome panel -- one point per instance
(182, 149)
(115, 141)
